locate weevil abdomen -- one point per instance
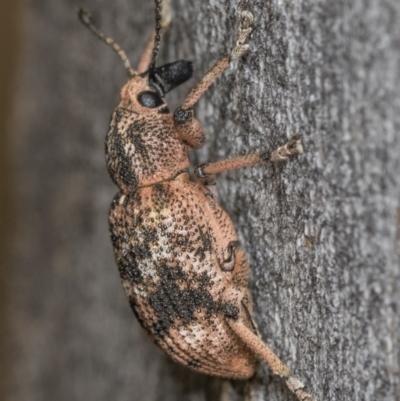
(170, 241)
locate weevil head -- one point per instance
(167, 77)
(145, 93)
(142, 145)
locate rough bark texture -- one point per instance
(321, 232)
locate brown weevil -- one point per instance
(176, 249)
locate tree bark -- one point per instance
(321, 231)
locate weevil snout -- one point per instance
(169, 76)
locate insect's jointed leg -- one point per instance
(187, 127)
(291, 148)
(246, 20)
(146, 153)
(267, 355)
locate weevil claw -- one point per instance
(291, 148)
(245, 28)
(297, 387)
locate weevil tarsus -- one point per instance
(291, 148)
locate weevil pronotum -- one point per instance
(176, 249)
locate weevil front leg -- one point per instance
(188, 128)
(291, 148)
(267, 355)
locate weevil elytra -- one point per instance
(176, 249)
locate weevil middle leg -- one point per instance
(291, 148)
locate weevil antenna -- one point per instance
(157, 36)
(84, 17)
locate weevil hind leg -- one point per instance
(252, 322)
(267, 355)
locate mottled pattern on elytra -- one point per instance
(169, 241)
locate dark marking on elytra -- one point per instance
(129, 269)
(142, 246)
(160, 197)
(230, 310)
(179, 297)
(203, 243)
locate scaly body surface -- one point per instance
(176, 248)
(172, 244)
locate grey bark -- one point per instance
(321, 232)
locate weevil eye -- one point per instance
(150, 100)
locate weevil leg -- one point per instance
(245, 27)
(267, 355)
(147, 53)
(208, 79)
(187, 127)
(291, 148)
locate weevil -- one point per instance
(177, 250)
